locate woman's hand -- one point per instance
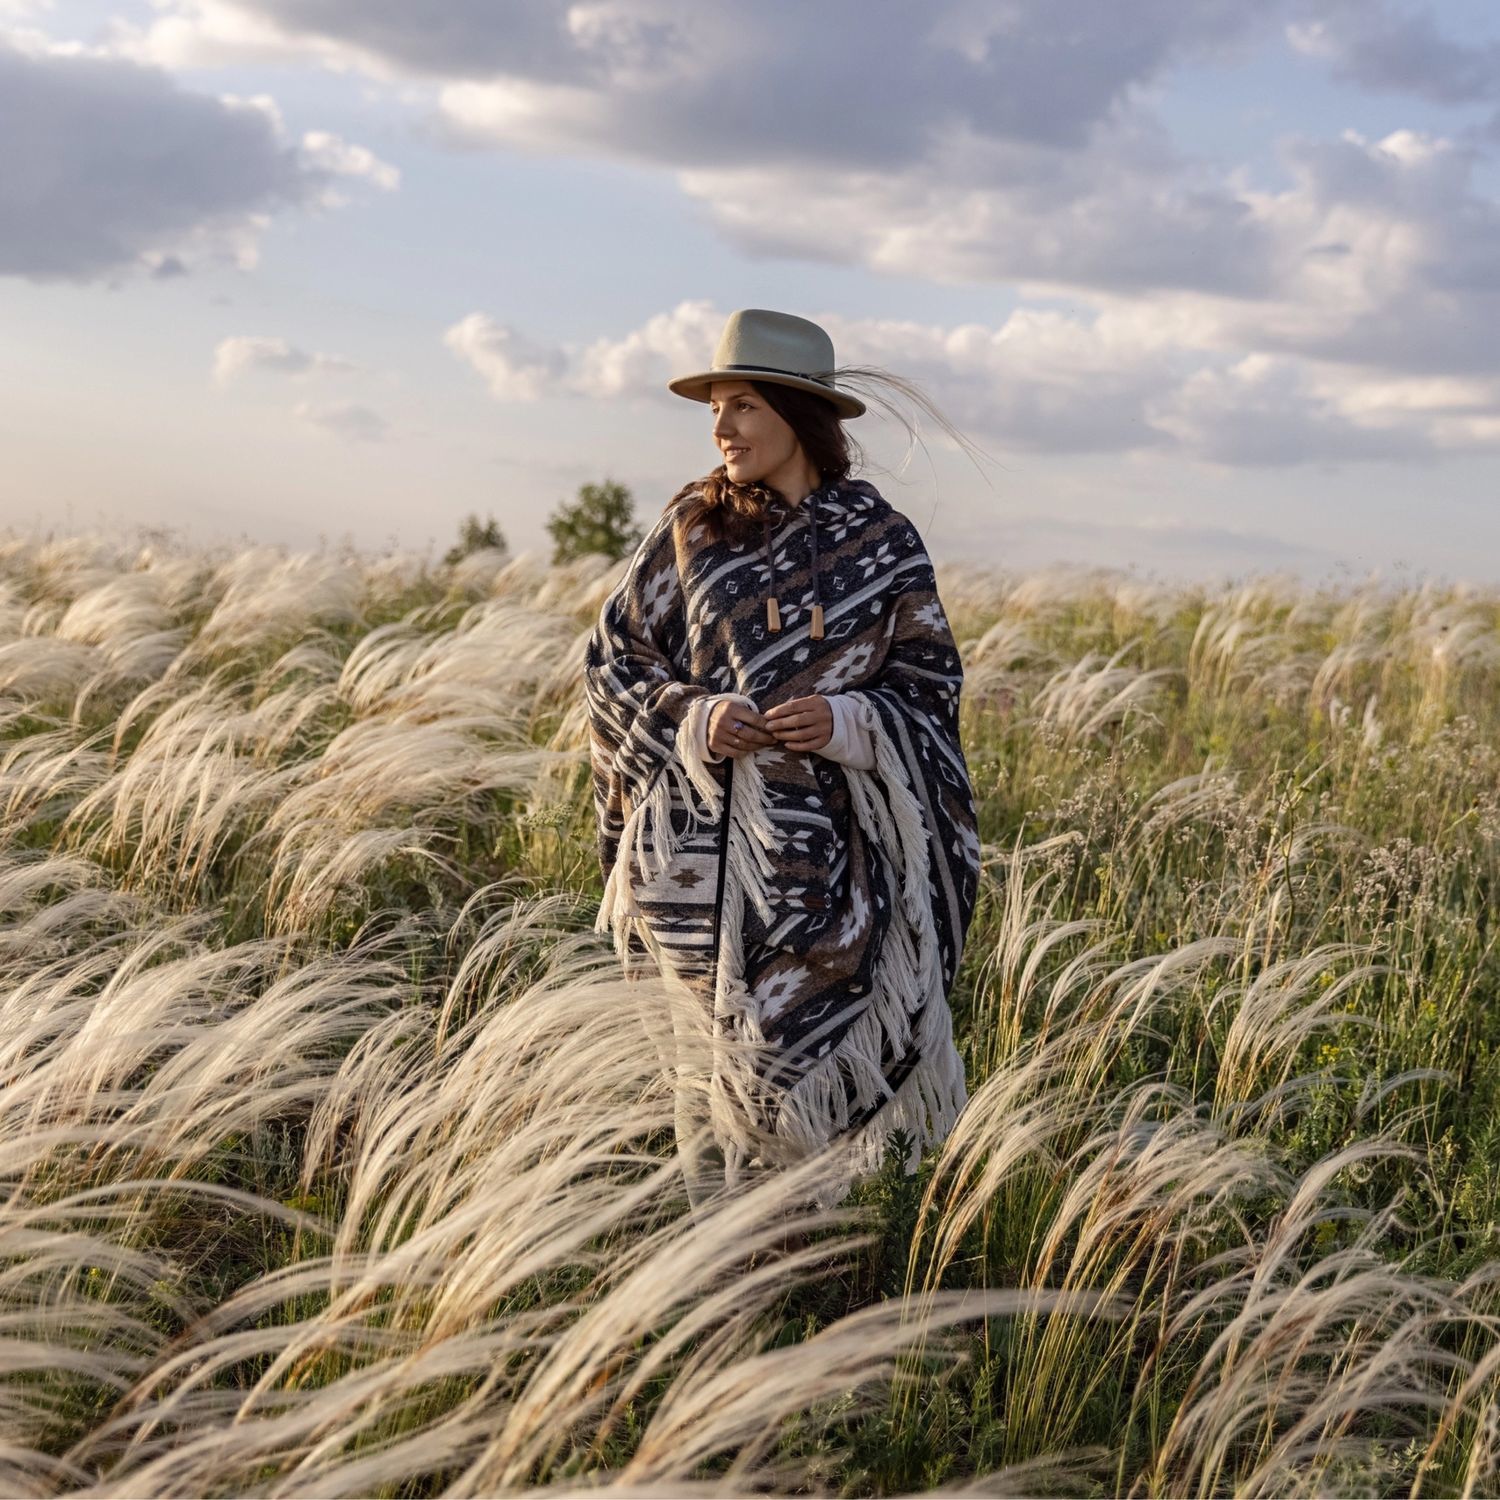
(802, 723)
(736, 729)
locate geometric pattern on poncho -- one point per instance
(820, 910)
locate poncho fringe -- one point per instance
(908, 973)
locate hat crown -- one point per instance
(758, 338)
(771, 347)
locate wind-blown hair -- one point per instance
(732, 511)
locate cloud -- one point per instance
(111, 165)
(514, 368)
(379, 37)
(971, 141)
(1386, 255)
(1403, 52)
(1165, 546)
(1114, 219)
(340, 159)
(1264, 411)
(1042, 380)
(1006, 142)
(687, 87)
(234, 356)
(1454, 414)
(683, 85)
(1381, 253)
(1119, 381)
(517, 367)
(671, 343)
(344, 419)
(656, 76)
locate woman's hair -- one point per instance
(730, 511)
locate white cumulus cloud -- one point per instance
(1118, 380)
(344, 419)
(342, 159)
(514, 368)
(243, 352)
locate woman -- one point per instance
(786, 819)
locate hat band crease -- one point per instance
(777, 370)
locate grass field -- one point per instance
(337, 1159)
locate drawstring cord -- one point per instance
(773, 608)
(816, 628)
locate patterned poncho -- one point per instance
(819, 909)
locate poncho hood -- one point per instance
(807, 509)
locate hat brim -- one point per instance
(696, 387)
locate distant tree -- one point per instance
(599, 520)
(472, 537)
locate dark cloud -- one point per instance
(1114, 218)
(978, 141)
(452, 38)
(844, 81)
(1369, 43)
(958, 140)
(837, 82)
(107, 164)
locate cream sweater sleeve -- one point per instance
(851, 744)
(854, 727)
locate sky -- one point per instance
(1213, 288)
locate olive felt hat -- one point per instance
(758, 344)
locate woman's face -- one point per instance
(754, 440)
